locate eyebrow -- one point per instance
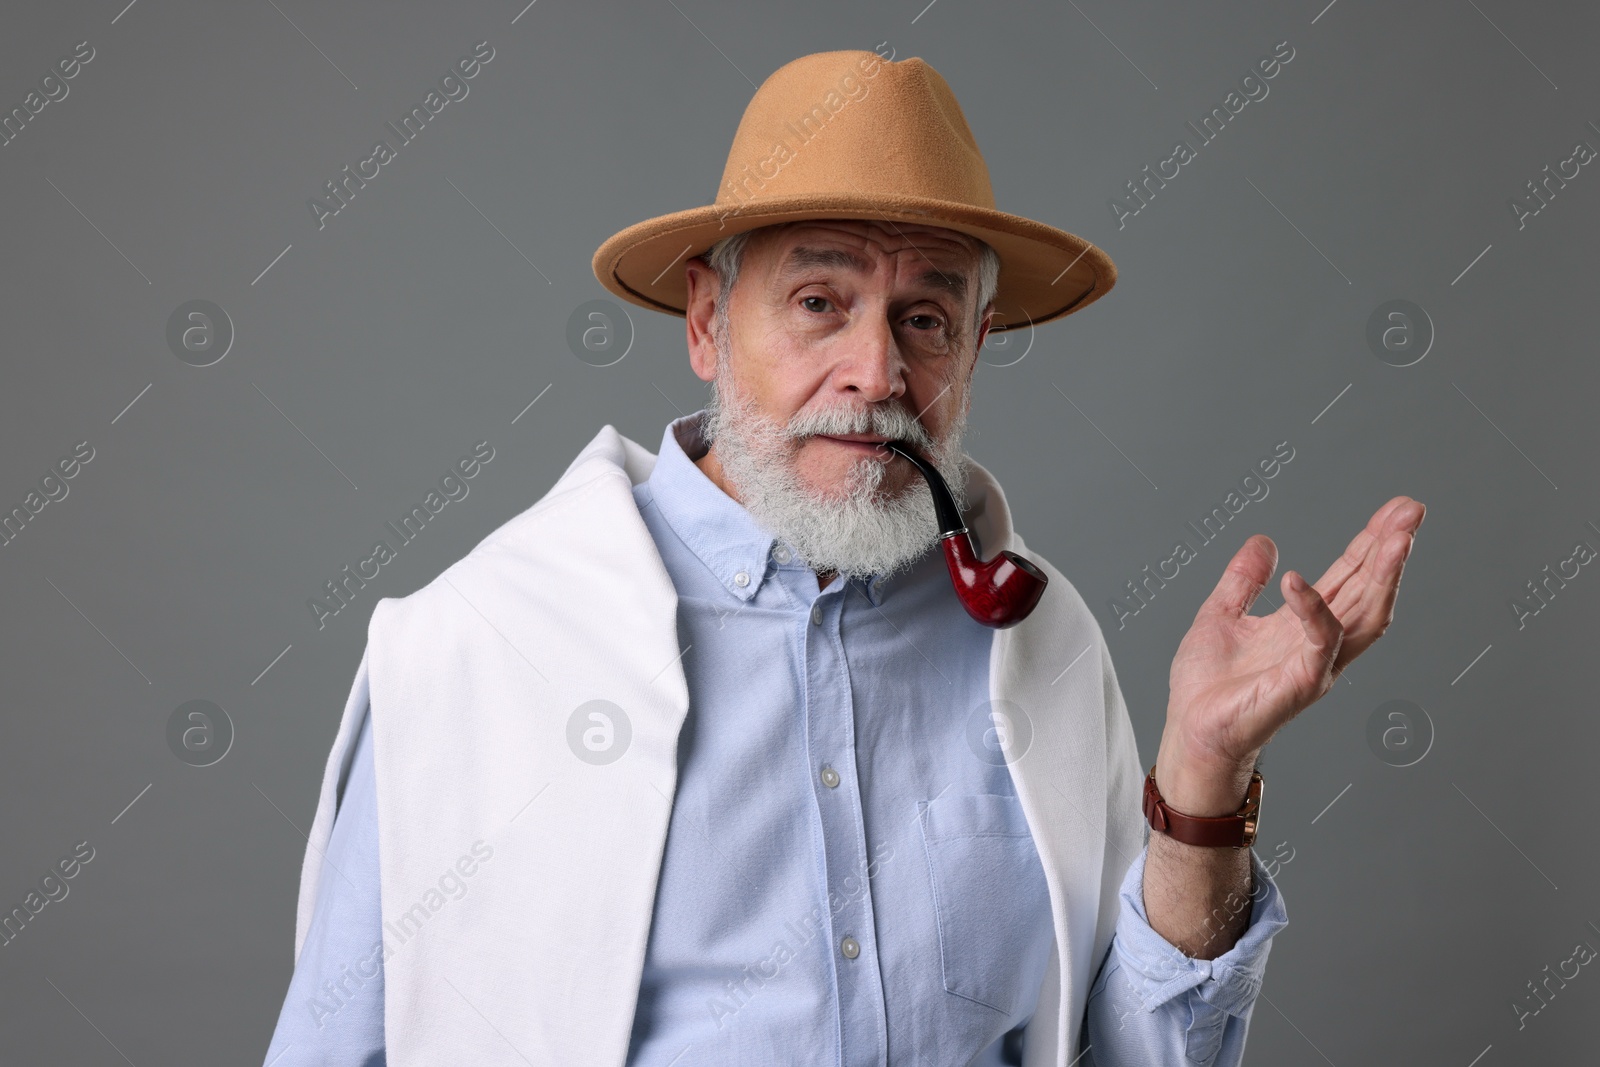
(802, 258)
(955, 284)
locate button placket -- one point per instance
(847, 900)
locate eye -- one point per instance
(806, 302)
(928, 322)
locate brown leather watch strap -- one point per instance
(1233, 831)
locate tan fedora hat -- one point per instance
(850, 135)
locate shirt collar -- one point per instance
(718, 529)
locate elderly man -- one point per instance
(700, 759)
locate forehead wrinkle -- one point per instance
(802, 258)
(962, 239)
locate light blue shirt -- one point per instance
(848, 876)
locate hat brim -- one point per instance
(1045, 273)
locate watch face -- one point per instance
(1252, 809)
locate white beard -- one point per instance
(857, 530)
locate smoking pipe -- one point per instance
(998, 593)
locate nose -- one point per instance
(873, 365)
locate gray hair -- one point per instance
(727, 254)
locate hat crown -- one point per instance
(854, 123)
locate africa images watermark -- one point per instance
(1540, 194)
(337, 993)
(1255, 88)
(1582, 954)
(52, 90)
(1251, 488)
(1221, 920)
(803, 127)
(454, 87)
(52, 888)
(754, 976)
(1543, 590)
(53, 487)
(342, 591)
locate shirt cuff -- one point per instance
(1158, 971)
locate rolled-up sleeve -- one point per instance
(1151, 1004)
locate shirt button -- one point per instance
(830, 777)
(816, 614)
(850, 948)
(741, 578)
(781, 554)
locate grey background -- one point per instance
(375, 351)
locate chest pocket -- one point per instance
(990, 899)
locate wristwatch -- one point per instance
(1233, 831)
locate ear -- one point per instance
(983, 331)
(702, 284)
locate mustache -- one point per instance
(893, 422)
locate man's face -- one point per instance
(840, 334)
(847, 315)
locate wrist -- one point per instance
(1204, 787)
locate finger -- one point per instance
(1322, 629)
(1356, 595)
(1243, 579)
(1360, 548)
(1369, 617)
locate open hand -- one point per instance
(1237, 678)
